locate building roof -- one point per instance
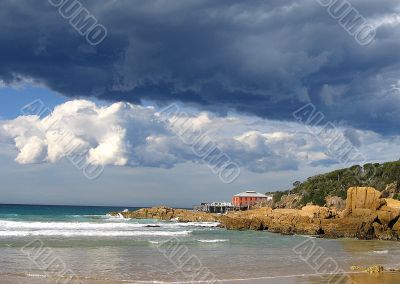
(250, 193)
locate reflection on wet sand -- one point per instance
(353, 278)
(357, 278)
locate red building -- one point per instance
(248, 198)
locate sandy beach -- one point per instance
(354, 278)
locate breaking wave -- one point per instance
(91, 233)
(103, 229)
(212, 241)
(98, 226)
(381, 251)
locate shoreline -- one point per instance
(387, 277)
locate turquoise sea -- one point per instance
(40, 243)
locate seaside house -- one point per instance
(248, 198)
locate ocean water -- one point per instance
(62, 242)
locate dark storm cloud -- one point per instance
(266, 58)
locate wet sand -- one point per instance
(353, 278)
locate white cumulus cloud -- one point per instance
(125, 134)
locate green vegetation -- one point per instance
(277, 196)
(315, 189)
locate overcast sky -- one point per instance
(239, 70)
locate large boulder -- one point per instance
(387, 214)
(377, 217)
(363, 201)
(392, 203)
(396, 227)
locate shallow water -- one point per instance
(83, 241)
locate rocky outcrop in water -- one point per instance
(166, 213)
(367, 216)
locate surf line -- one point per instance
(242, 279)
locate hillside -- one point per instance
(384, 177)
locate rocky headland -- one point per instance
(366, 216)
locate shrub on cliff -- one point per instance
(277, 196)
(317, 188)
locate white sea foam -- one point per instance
(87, 216)
(308, 237)
(212, 241)
(118, 217)
(102, 229)
(6, 225)
(36, 275)
(381, 251)
(191, 224)
(91, 233)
